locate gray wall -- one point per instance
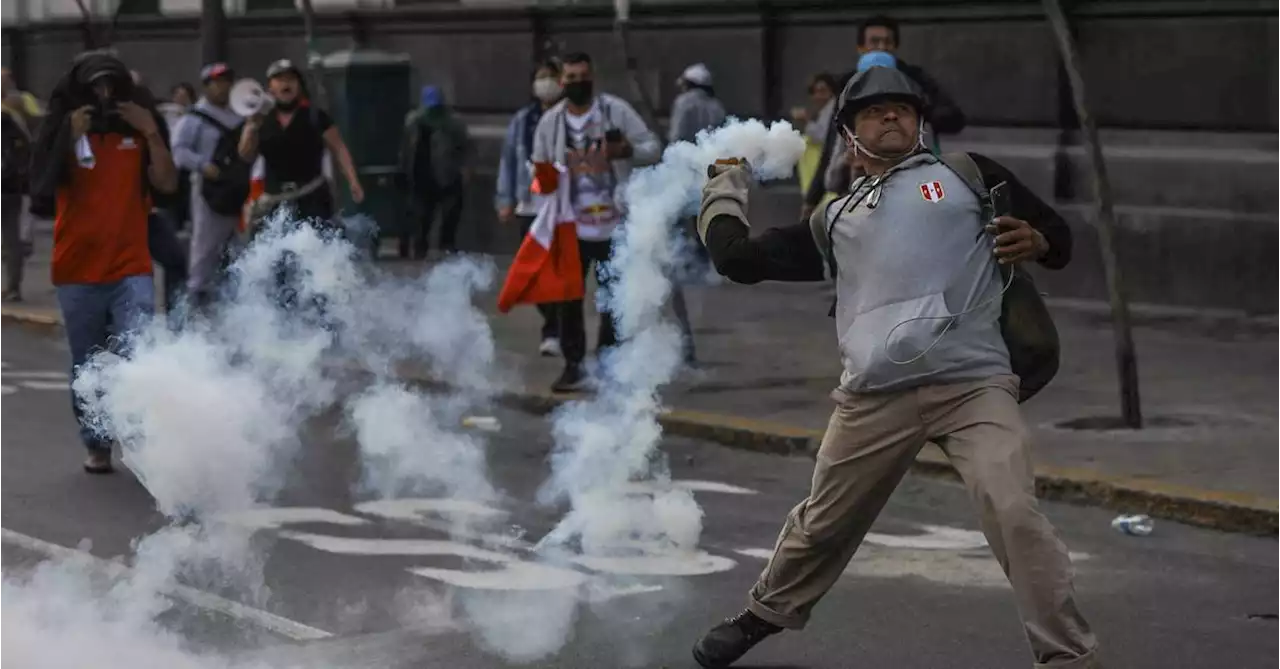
(1193, 65)
(1186, 90)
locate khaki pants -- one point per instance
(869, 445)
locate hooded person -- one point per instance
(434, 153)
(75, 90)
(101, 155)
(917, 253)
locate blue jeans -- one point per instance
(91, 314)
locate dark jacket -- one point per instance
(943, 114)
(450, 149)
(17, 154)
(51, 151)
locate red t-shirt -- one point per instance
(100, 233)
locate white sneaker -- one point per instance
(550, 348)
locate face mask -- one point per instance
(287, 106)
(546, 90)
(578, 92)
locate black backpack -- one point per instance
(1025, 323)
(14, 156)
(227, 194)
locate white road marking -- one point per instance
(36, 374)
(691, 563)
(966, 568)
(512, 574)
(8, 390)
(935, 538)
(273, 518)
(640, 487)
(46, 385)
(451, 516)
(285, 627)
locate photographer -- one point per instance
(101, 156)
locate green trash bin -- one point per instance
(368, 96)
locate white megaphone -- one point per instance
(249, 98)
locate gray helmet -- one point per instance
(876, 84)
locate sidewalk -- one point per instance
(768, 360)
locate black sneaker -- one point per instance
(571, 380)
(731, 639)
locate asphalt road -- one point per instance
(924, 592)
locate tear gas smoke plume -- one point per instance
(611, 439)
(209, 420)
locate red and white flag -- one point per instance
(547, 268)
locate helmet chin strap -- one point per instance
(859, 146)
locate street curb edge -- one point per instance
(1224, 511)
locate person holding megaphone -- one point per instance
(291, 135)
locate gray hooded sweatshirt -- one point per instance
(912, 251)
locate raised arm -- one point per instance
(779, 254)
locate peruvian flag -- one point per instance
(257, 186)
(932, 192)
(547, 267)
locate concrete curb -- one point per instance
(1220, 510)
(30, 316)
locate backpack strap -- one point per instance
(211, 120)
(963, 166)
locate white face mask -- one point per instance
(547, 89)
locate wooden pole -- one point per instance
(1126, 357)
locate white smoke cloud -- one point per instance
(209, 419)
(605, 442)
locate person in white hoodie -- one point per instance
(599, 138)
(195, 140)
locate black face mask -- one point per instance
(578, 92)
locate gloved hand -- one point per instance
(729, 181)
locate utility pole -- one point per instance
(213, 31)
(313, 57)
(622, 18)
(1126, 357)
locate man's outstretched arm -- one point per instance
(779, 254)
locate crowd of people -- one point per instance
(922, 246)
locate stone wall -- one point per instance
(1186, 90)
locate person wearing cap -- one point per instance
(695, 109)
(881, 34)
(433, 161)
(292, 138)
(917, 258)
(195, 143)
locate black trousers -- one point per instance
(448, 202)
(550, 310)
(166, 249)
(573, 328)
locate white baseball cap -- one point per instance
(697, 74)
